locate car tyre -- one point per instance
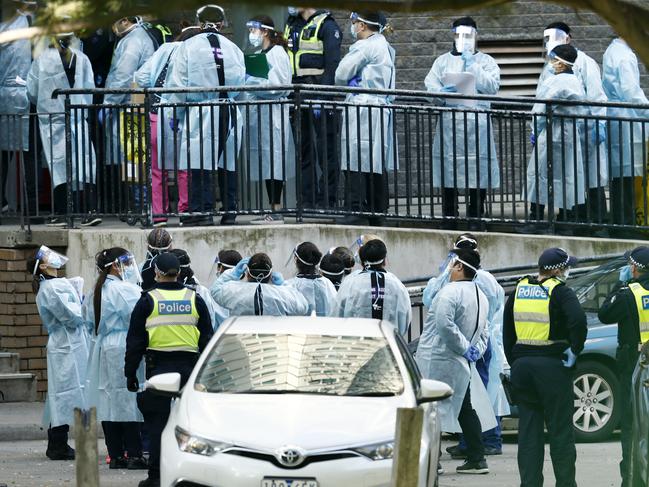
(596, 389)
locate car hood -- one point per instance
(596, 329)
(311, 422)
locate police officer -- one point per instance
(544, 331)
(314, 39)
(171, 340)
(625, 305)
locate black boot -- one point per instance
(57, 444)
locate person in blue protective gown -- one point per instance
(464, 159)
(59, 306)
(568, 173)
(368, 153)
(373, 292)
(492, 363)
(621, 81)
(319, 292)
(262, 291)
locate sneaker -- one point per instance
(117, 463)
(205, 221)
(440, 469)
(57, 222)
(268, 220)
(160, 223)
(91, 220)
(188, 221)
(228, 219)
(137, 463)
(456, 452)
(475, 468)
(490, 450)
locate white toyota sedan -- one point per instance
(296, 402)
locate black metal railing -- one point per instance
(318, 151)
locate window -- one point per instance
(521, 63)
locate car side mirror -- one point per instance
(167, 385)
(433, 390)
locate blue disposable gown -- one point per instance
(45, 76)
(106, 382)
(483, 168)
(622, 85)
(243, 298)
(192, 66)
(214, 309)
(496, 298)
(568, 175)
(270, 137)
(131, 52)
(320, 293)
(59, 306)
(450, 328)
(147, 77)
(354, 299)
(15, 59)
(372, 60)
(595, 155)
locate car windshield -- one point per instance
(593, 287)
(258, 363)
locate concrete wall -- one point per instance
(411, 252)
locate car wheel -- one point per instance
(597, 410)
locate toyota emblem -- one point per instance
(290, 456)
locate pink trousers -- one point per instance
(159, 186)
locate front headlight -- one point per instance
(195, 444)
(377, 451)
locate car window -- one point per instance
(296, 363)
(411, 365)
(593, 287)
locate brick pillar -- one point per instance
(21, 330)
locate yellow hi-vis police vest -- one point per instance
(308, 43)
(532, 312)
(642, 302)
(171, 326)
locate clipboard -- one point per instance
(465, 84)
(257, 65)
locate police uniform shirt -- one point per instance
(567, 323)
(620, 307)
(137, 339)
(331, 37)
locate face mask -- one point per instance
(254, 39)
(129, 274)
(626, 274)
(465, 39)
(64, 43)
(293, 12)
(353, 32)
(564, 275)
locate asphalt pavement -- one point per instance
(23, 464)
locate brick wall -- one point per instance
(21, 330)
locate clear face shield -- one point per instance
(52, 259)
(215, 271)
(256, 31)
(259, 274)
(354, 17)
(211, 16)
(455, 260)
(128, 269)
(553, 38)
(556, 62)
(465, 38)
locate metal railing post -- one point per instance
(68, 163)
(297, 104)
(550, 164)
(146, 191)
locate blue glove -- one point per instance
(101, 115)
(472, 354)
(277, 278)
(355, 82)
(468, 58)
(240, 268)
(316, 112)
(533, 139)
(572, 358)
(625, 274)
(173, 124)
(599, 137)
(449, 89)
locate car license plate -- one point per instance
(282, 482)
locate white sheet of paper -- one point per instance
(20, 82)
(465, 84)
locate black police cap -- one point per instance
(167, 264)
(639, 257)
(556, 258)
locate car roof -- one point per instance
(304, 325)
